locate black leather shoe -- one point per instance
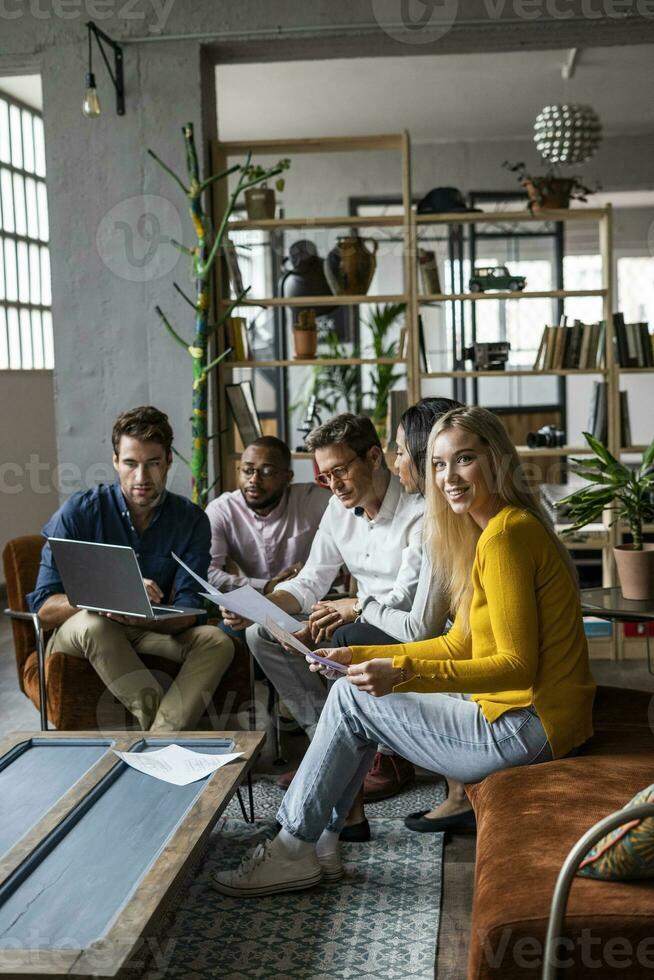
(356, 833)
(458, 823)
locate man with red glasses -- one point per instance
(373, 528)
(261, 533)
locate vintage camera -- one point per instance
(549, 436)
(488, 357)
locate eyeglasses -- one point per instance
(338, 473)
(265, 472)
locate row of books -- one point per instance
(598, 423)
(579, 345)
(633, 344)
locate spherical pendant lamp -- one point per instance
(567, 134)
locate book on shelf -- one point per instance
(236, 337)
(632, 343)
(398, 402)
(233, 271)
(240, 399)
(625, 421)
(580, 345)
(424, 356)
(402, 343)
(598, 421)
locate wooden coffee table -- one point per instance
(91, 850)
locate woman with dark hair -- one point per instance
(412, 437)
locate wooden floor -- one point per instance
(18, 714)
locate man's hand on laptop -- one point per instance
(155, 596)
(154, 592)
(125, 620)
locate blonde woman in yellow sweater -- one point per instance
(516, 661)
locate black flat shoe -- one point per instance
(356, 833)
(458, 823)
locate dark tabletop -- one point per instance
(611, 604)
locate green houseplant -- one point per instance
(550, 190)
(260, 199)
(629, 493)
(384, 376)
(305, 334)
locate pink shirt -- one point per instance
(262, 546)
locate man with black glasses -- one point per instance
(373, 528)
(261, 533)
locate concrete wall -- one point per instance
(28, 456)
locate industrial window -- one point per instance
(25, 293)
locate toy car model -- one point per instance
(495, 277)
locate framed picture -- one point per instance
(244, 412)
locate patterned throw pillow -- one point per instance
(626, 852)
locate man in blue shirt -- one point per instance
(138, 511)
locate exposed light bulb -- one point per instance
(91, 104)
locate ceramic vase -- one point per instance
(350, 266)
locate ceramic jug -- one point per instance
(350, 266)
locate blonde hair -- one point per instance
(451, 539)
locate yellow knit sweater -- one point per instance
(526, 643)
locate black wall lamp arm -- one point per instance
(117, 74)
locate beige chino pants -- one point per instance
(204, 652)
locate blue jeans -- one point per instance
(444, 733)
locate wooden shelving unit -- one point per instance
(395, 142)
(409, 223)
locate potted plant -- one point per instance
(630, 494)
(305, 335)
(383, 376)
(260, 200)
(550, 191)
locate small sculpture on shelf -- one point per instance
(305, 335)
(549, 436)
(495, 277)
(488, 357)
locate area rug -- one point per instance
(380, 921)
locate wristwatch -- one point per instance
(357, 608)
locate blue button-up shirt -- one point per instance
(102, 515)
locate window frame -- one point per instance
(26, 341)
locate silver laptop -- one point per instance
(107, 578)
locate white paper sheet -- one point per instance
(175, 764)
(292, 641)
(245, 602)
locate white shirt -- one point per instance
(426, 618)
(384, 554)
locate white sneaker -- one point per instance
(267, 870)
(332, 866)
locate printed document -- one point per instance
(245, 602)
(175, 764)
(292, 641)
